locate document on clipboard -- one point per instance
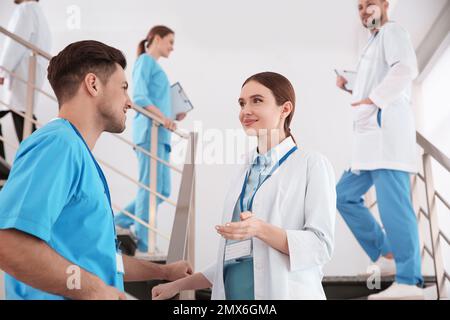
(180, 101)
(350, 76)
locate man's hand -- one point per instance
(181, 116)
(2, 81)
(365, 101)
(248, 227)
(341, 82)
(177, 270)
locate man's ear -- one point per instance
(92, 84)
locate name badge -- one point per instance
(119, 263)
(238, 250)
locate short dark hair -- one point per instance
(67, 70)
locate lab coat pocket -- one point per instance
(366, 118)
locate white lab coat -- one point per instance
(385, 74)
(28, 22)
(300, 198)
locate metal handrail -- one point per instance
(428, 250)
(25, 43)
(37, 123)
(140, 184)
(144, 151)
(432, 150)
(15, 76)
(10, 144)
(139, 220)
(440, 197)
(422, 211)
(443, 236)
(421, 177)
(158, 120)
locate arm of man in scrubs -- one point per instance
(41, 184)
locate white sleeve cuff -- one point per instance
(210, 272)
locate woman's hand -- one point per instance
(169, 124)
(165, 291)
(180, 116)
(248, 227)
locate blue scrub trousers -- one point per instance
(238, 279)
(140, 206)
(400, 236)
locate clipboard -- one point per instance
(179, 99)
(350, 76)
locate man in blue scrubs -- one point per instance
(57, 235)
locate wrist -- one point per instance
(90, 290)
(261, 230)
(179, 285)
(163, 269)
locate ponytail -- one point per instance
(141, 47)
(289, 133)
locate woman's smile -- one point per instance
(248, 122)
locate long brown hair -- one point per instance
(161, 31)
(282, 90)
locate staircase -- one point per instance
(182, 245)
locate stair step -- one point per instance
(336, 288)
(355, 287)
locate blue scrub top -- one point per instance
(151, 87)
(55, 192)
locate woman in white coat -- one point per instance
(278, 221)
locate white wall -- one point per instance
(218, 45)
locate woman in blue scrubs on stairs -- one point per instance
(152, 92)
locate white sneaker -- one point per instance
(398, 291)
(385, 266)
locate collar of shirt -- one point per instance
(271, 157)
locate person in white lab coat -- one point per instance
(28, 22)
(384, 153)
(278, 219)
